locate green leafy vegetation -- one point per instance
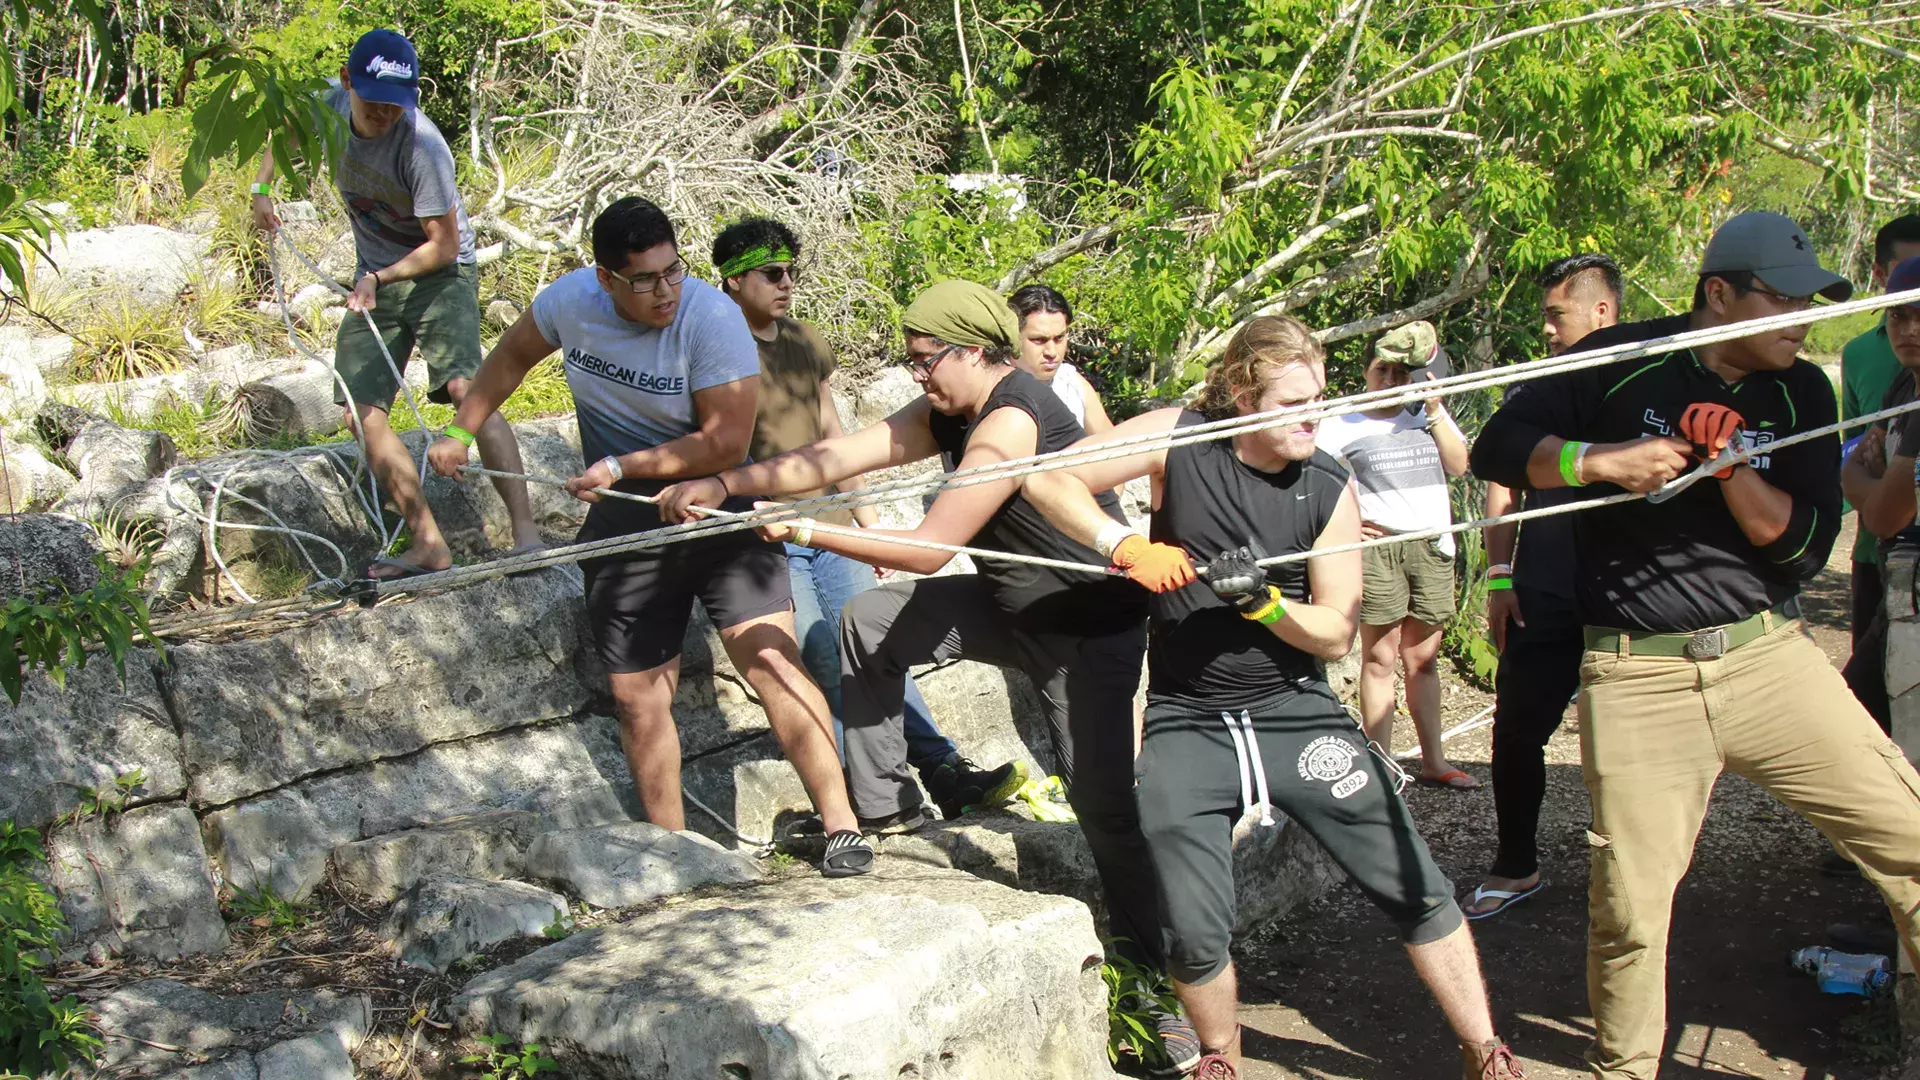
(37, 1033)
(54, 632)
(264, 909)
(1134, 994)
(108, 801)
(502, 1059)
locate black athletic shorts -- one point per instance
(1320, 773)
(638, 605)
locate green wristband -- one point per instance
(455, 431)
(262, 189)
(1569, 454)
(1498, 584)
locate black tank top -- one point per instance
(1202, 654)
(1035, 598)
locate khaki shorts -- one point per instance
(439, 314)
(1398, 580)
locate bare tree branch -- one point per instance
(1085, 240)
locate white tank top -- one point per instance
(1069, 386)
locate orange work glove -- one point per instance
(1709, 427)
(1159, 567)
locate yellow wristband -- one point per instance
(1270, 612)
(803, 532)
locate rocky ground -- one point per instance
(1329, 994)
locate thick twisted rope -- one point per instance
(717, 524)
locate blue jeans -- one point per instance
(823, 582)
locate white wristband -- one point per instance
(803, 532)
(1580, 462)
(1500, 568)
(1110, 536)
(612, 462)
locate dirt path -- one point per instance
(1329, 993)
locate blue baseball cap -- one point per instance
(1904, 277)
(383, 67)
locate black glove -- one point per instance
(1236, 577)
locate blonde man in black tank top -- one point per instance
(1236, 701)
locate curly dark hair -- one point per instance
(743, 236)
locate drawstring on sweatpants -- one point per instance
(1253, 771)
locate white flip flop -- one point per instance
(1507, 899)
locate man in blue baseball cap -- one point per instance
(417, 280)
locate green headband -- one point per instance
(754, 258)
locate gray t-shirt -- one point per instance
(388, 184)
(632, 385)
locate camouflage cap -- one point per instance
(1410, 345)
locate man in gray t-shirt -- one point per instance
(416, 286)
(665, 378)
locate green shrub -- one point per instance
(37, 1033)
(1134, 994)
(54, 631)
(500, 1060)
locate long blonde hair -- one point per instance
(1271, 340)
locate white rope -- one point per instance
(718, 524)
(736, 522)
(1486, 379)
(819, 527)
(1474, 723)
(369, 501)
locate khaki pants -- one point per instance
(1655, 732)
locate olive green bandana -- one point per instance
(753, 259)
(963, 313)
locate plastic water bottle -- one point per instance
(1844, 973)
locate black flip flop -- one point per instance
(406, 569)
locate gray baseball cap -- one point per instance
(1773, 248)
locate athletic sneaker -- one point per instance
(1491, 1060)
(905, 821)
(1178, 1039)
(1215, 1067)
(848, 854)
(958, 785)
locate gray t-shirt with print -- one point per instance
(633, 385)
(388, 184)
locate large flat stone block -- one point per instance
(140, 883)
(571, 774)
(58, 744)
(256, 714)
(908, 973)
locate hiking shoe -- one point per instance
(848, 855)
(1491, 1060)
(1047, 799)
(958, 785)
(1179, 1040)
(905, 821)
(1214, 1067)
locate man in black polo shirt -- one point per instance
(1530, 613)
(1696, 658)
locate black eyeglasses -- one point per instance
(777, 274)
(923, 369)
(646, 283)
(1789, 303)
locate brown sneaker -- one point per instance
(1491, 1060)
